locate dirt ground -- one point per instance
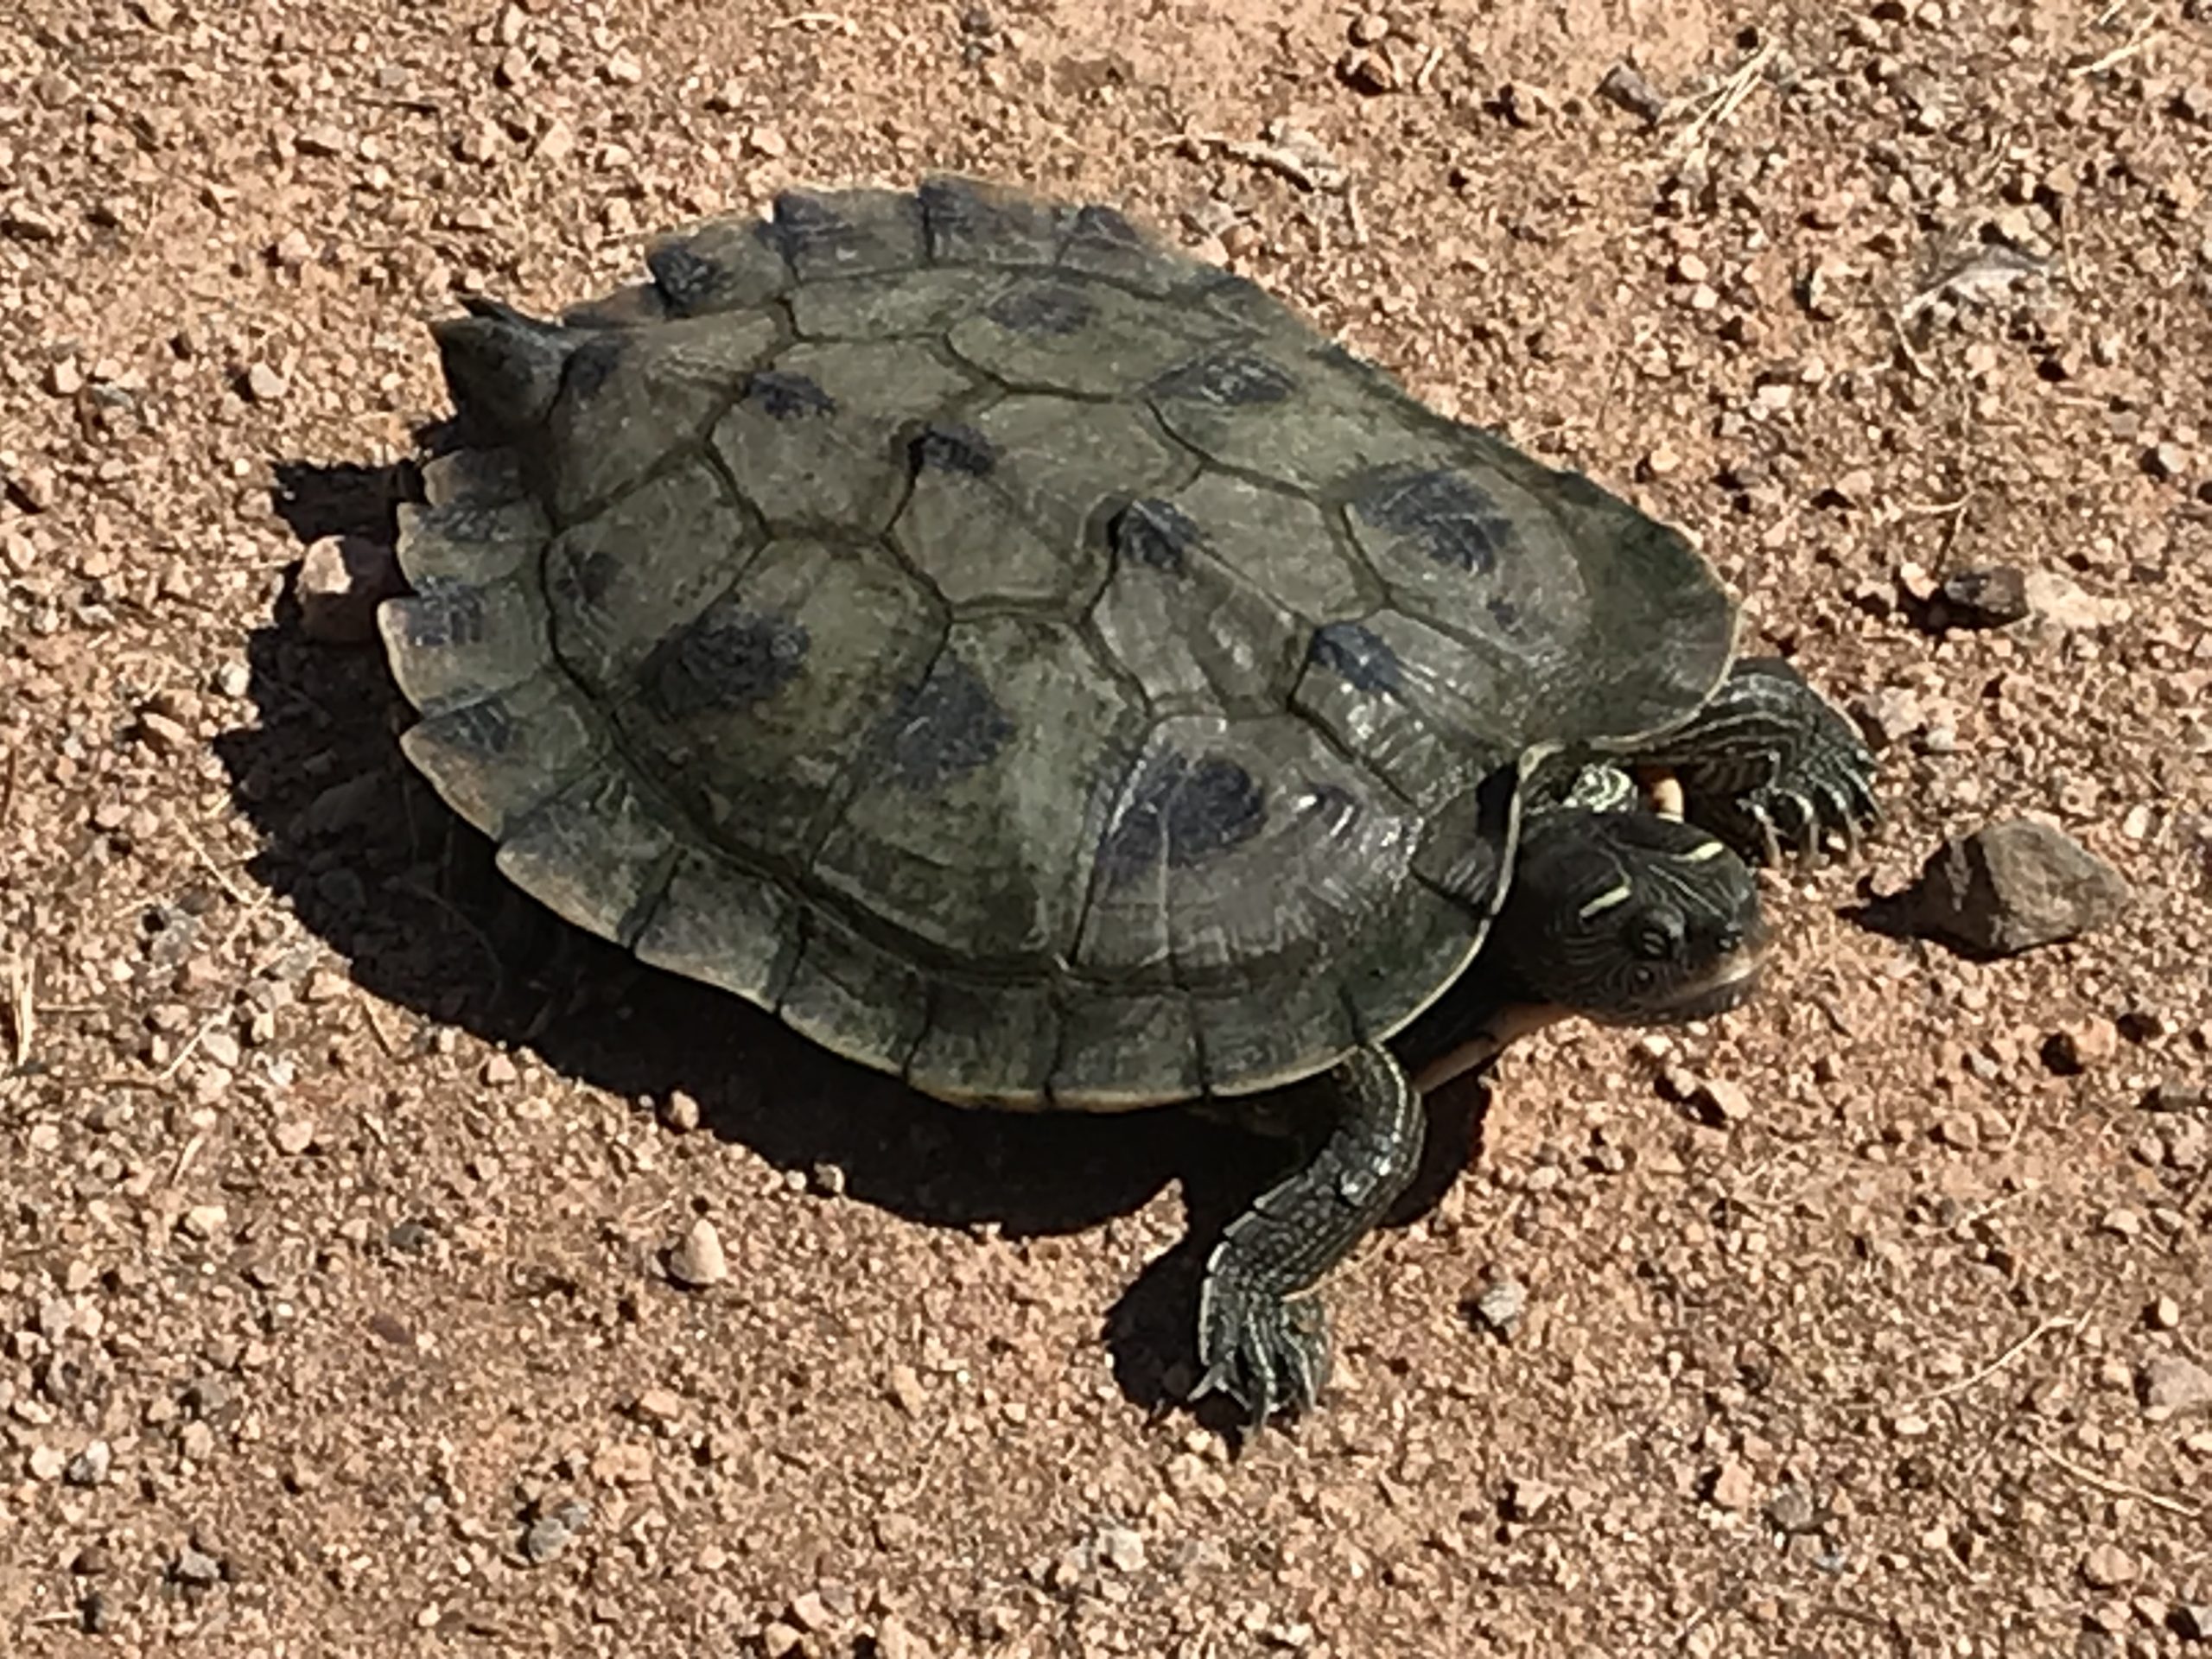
(337, 1183)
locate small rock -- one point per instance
(1889, 715)
(205, 1221)
(90, 1466)
(811, 1610)
(1526, 1499)
(779, 1639)
(264, 385)
(2120, 1223)
(1961, 1130)
(47, 1462)
(2163, 1314)
(680, 1112)
(904, 1385)
(341, 581)
(2172, 1383)
(1733, 1486)
(2172, 1097)
(1792, 1510)
(1719, 1102)
(658, 1405)
(500, 1071)
(894, 1531)
(2073, 1049)
(2107, 1566)
(2014, 885)
(622, 69)
(893, 1640)
(195, 1565)
(1121, 1548)
(2191, 1621)
(1500, 1305)
(1370, 29)
(697, 1259)
(551, 1533)
(294, 1135)
(1626, 88)
(1993, 598)
(2165, 460)
(1367, 71)
(162, 734)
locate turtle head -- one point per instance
(1628, 917)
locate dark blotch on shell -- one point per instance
(1357, 656)
(954, 449)
(592, 365)
(1238, 380)
(686, 278)
(730, 658)
(1042, 309)
(1185, 812)
(443, 617)
(782, 396)
(485, 727)
(1155, 534)
(1452, 518)
(947, 726)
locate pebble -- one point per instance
(904, 1385)
(2107, 1566)
(778, 1638)
(553, 1532)
(47, 1462)
(1121, 1548)
(1734, 1487)
(1526, 1499)
(163, 734)
(341, 581)
(90, 1466)
(1626, 88)
(1501, 1305)
(1888, 715)
(205, 1221)
(264, 385)
(2014, 885)
(893, 1640)
(697, 1258)
(195, 1565)
(500, 1070)
(2191, 1621)
(2073, 1049)
(680, 1112)
(2172, 1384)
(2063, 603)
(1993, 598)
(1719, 1101)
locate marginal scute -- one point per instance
(620, 581)
(813, 441)
(494, 758)
(854, 997)
(757, 772)
(596, 854)
(454, 642)
(988, 1043)
(1102, 241)
(475, 477)
(970, 222)
(631, 399)
(724, 926)
(469, 541)
(1250, 1045)
(978, 800)
(848, 232)
(1124, 1048)
(723, 264)
(1028, 484)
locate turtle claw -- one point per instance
(1268, 1353)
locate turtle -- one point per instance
(1042, 665)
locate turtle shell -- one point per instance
(1026, 660)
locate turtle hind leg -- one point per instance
(1769, 762)
(503, 367)
(1263, 1335)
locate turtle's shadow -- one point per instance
(373, 862)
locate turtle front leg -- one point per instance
(1770, 760)
(1263, 1335)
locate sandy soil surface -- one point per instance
(337, 1183)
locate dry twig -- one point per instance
(2058, 1322)
(2112, 1488)
(1724, 103)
